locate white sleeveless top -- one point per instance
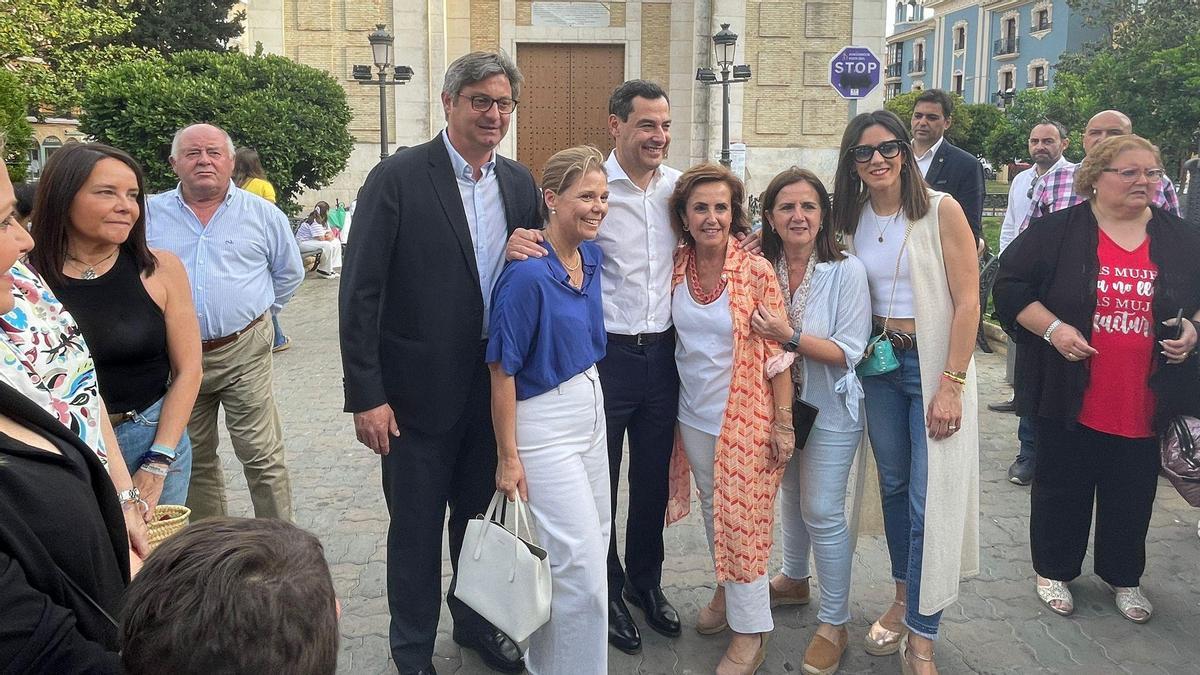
(704, 356)
(880, 260)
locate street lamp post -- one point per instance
(724, 44)
(381, 51)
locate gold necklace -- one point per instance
(89, 270)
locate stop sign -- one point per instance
(854, 72)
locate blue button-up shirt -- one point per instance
(544, 330)
(485, 218)
(244, 262)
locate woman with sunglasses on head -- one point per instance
(918, 376)
(1092, 293)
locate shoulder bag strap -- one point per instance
(896, 276)
(91, 601)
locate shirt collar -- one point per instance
(228, 193)
(461, 168)
(1062, 161)
(932, 150)
(616, 172)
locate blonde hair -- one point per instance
(1103, 154)
(566, 167)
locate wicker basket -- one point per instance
(168, 519)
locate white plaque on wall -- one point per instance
(570, 14)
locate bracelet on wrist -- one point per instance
(161, 452)
(155, 468)
(784, 427)
(784, 408)
(959, 376)
(1050, 329)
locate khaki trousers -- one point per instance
(238, 377)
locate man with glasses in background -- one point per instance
(430, 228)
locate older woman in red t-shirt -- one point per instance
(1095, 290)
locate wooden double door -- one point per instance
(564, 100)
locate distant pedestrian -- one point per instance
(314, 236)
(249, 175)
(242, 262)
(1091, 293)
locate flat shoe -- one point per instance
(1056, 590)
(1130, 600)
(823, 656)
(728, 665)
(710, 621)
(799, 595)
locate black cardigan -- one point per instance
(1055, 261)
(47, 625)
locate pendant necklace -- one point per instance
(89, 271)
(891, 219)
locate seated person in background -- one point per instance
(232, 595)
(314, 235)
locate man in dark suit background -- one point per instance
(947, 168)
(429, 234)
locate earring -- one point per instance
(553, 210)
(685, 228)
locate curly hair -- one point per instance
(697, 176)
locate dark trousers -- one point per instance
(1076, 468)
(1026, 435)
(641, 397)
(423, 474)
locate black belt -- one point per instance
(902, 341)
(641, 339)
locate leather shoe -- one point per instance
(660, 615)
(622, 631)
(1008, 406)
(496, 649)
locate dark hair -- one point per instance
(699, 175)
(850, 191)
(827, 245)
(246, 165)
(621, 101)
(1058, 126)
(320, 213)
(64, 176)
(232, 595)
(939, 97)
(26, 193)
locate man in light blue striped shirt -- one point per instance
(242, 261)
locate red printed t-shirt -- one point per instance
(1118, 400)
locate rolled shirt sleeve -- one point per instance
(512, 330)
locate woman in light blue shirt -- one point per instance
(828, 324)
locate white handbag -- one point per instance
(502, 575)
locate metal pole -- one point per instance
(726, 161)
(383, 135)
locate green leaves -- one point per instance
(18, 133)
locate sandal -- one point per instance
(905, 667)
(1130, 600)
(883, 641)
(1055, 591)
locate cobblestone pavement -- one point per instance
(997, 626)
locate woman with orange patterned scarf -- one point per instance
(735, 414)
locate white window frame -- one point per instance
(1042, 5)
(1033, 65)
(958, 26)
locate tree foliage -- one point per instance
(55, 45)
(294, 115)
(169, 26)
(18, 135)
(962, 123)
(1008, 141)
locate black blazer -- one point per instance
(954, 171)
(411, 309)
(1054, 261)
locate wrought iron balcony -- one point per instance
(916, 66)
(1005, 46)
(893, 69)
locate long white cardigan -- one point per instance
(951, 550)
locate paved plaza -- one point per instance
(997, 626)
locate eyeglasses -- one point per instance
(482, 103)
(1131, 175)
(888, 149)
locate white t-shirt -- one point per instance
(880, 260)
(704, 356)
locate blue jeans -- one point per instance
(813, 510)
(280, 338)
(896, 425)
(135, 437)
(1027, 438)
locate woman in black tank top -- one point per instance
(132, 305)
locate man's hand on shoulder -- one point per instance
(524, 244)
(750, 243)
(375, 426)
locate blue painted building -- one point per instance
(985, 50)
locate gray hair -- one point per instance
(478, 66)
(179, 135)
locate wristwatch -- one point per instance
(793, 344)
(132, 496)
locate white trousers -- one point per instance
(331, 253)
(563, 447)
(747, 606)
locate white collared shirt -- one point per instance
(923, 161)
(1020, 201)
(638, 244)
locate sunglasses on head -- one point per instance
(887, 149)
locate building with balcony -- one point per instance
(984, 50)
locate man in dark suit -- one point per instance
(947, 168)
(429, 235)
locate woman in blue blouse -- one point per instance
(546, 335)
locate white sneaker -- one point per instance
(329, 275)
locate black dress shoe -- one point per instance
(496, 649)
(661, 616)
(1008, 406)
(622, 631)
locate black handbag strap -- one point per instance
(1187, 444)
(86, 596)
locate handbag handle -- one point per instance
(513, 514)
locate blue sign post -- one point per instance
(854, 72)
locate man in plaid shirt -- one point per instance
(1056, 190)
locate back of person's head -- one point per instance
(247, 165)
(232, 595)
(26, 192)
